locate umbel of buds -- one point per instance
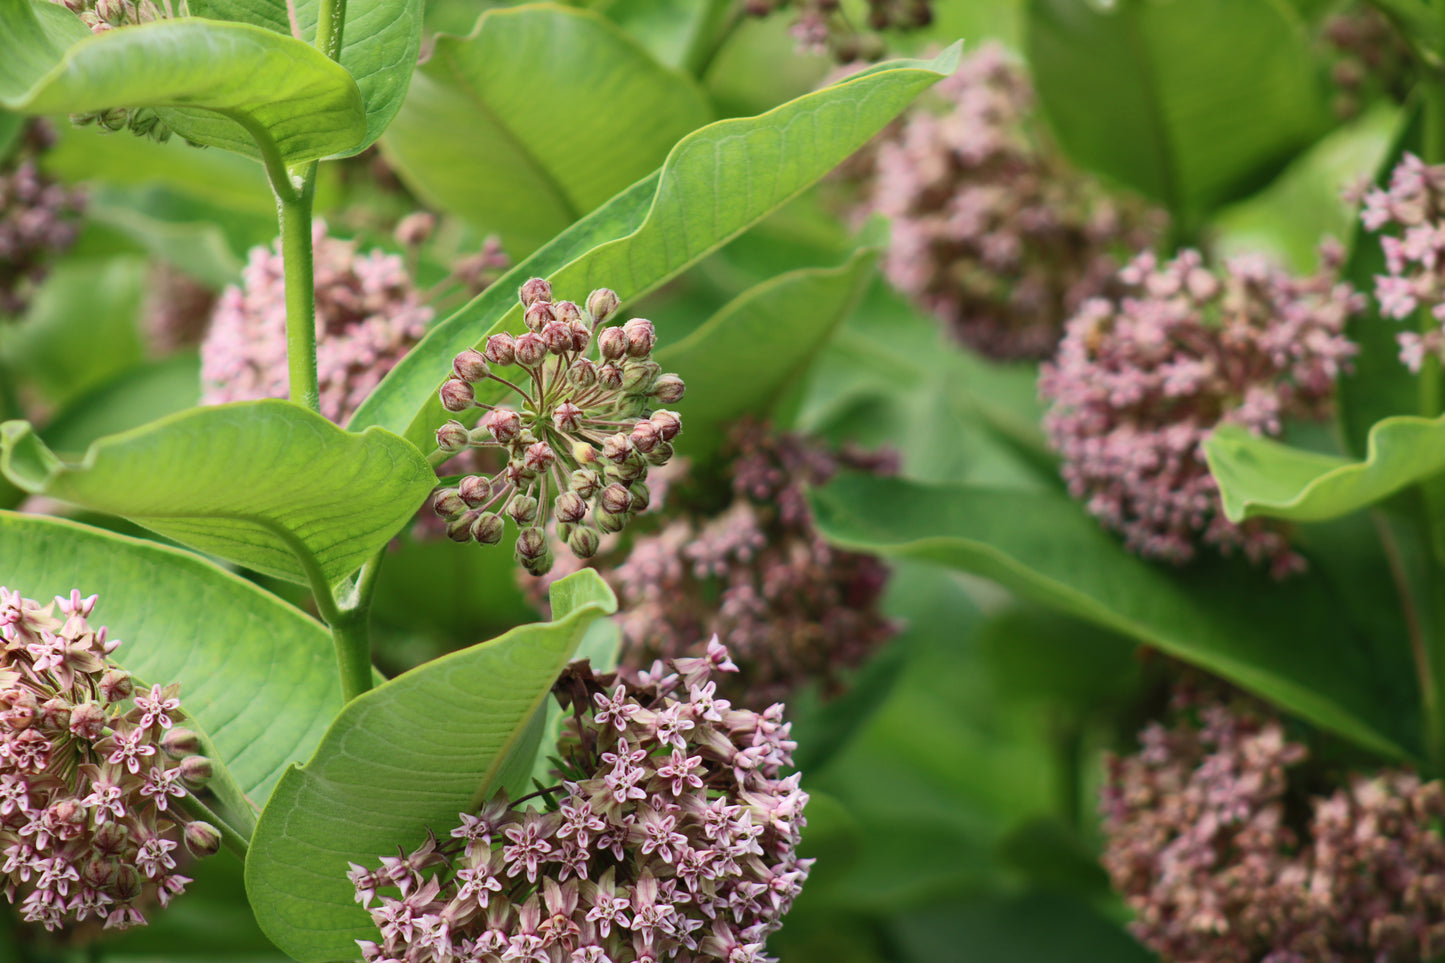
(671, 835)
(821, 26)
(579, 446)
(92, 773)
(39, 219)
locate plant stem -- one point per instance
(714, 25)
(297, 255)
(330, 22)
(350, 622)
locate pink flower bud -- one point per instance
(98, 872)
(585, 482)
(503, 423)
(475, 490)
(457, 395)
(583, 542)
(558, 337)
(612, 343)
(539, 315)
(111, 838)
(641, 337)
(488, 528)
(459, 529)
(196, 771)
(567, 312)
(87, 721)
(615, 499)
(116, 685)
(535, 290)
(616, 448)
(569, 507)
(583, 373)
(669, 389)
(602, 303)
(501, 349)
(609, 376)
(416, 228)
(581, 335)
(202, 839)
(531, 543)
(55, 714)
(666, 422)
(522, 509)
(567, 417)
(645, 436)
(448, 503)
(179, 743)
(470, 366)
(531, 349)
(540, 457)
(452, 437)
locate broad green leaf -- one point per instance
(1190, 102)
(399, 760)
(743, 358)
(257, 675)
(267, 484)
(1038, 927)
(716, 183)
(527, 159)
(1292, 642)
(222, 84)
(379, 46)
(1261, 476)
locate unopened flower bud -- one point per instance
(612, 343)
(475, 490)
(616, 448)
(609, 375)
(202, 839)
(531, 543)
(628, 470)
(585, 482)
(660, 455)
(601, 303)
(503, 423)
(55, 714)
(638, 377)
(116, 685)
(487, 528)
(518, 473)
(459, 529)
(666, 422)
(583, 373)
(535, 290)
(567, 417)
(645, 436)
(522, 509)
(558, 337)
(179, 743)
(87, 721)
(668, 389)
(615, 499)
(470, 366)
(415, 229)
(98, 872)
(531, 349)
(539, 315)
(110, 838)
(641, 497)
(581, 335)
(567, 312)
(126, 882)
(196, 771)
(641, 337)
(569, 507)
(112, 12)
(609, 522)
(457, 395)
(540, 457)
(452, 437)
(583, 542)
(448, 503)
(501, 349)
(540, 565)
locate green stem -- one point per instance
(712, 29)
(297, 255)
(330, 22)
(350, 621)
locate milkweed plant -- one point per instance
(722, 481)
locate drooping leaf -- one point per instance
(221, 84)
(1190, 103)
(257, 675)
(267, 484)
(379, 46)
(527, 158)
(743, 358)
(1292, 642)
(399, 760)
(716, 183)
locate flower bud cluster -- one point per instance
(1369, 58)
(1140, 381)
(92, 773)
(1207, 846)
(822, 27)
(580, 446)
(671, 836)
(1414, 206)
(992, 231)
(368, 314)
(39, 219)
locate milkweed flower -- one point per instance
(39, 219)
(1141, 380)
(821, 27)
(992, 231)
(1414, 207)
(671, 835)
(93, 771)
(368, 314)
(586, 433)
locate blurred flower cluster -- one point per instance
(992, 231)
(672, 835)
(1141, 380)
(1208, 840)
(92, 773)
(1370, 57)
(1413, 205)
(39, 219)
(823, 27)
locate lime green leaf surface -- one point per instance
(1190, 102)
(221, 84)
(1291, 641)
(536, 118)
(744, 357)
(379, 46)
(257, 675)
(1260, 476)
(399, 760)
(267, 484)
(716, 183)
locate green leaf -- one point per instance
(137, 396)
(1039, 927)
(745, 356)
(1190, 102)
(257, 675)
(527, 159)
(1291, 641)
(1261, 476)
(222, 84)
(399, 760)
(267, 484)
(716, 183)
(379, 46)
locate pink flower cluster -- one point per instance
(992, 232)
(1370, 58)
(39, 219)
(822, 26)
(92, 773)
(1414, 204)
(368, 314)
(1140, 381)
(1204, 841)
(671, 836)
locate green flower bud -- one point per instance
(583, 542)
